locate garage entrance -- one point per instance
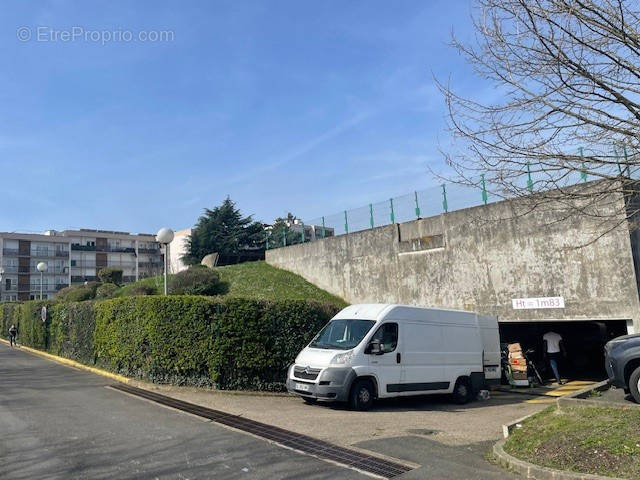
(584, 342)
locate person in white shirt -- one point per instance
(553, 348)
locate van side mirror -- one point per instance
(375, 348)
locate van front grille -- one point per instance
(306, 373)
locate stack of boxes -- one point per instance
(518, 363)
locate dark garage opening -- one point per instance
(584, 342)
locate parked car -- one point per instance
(622, 361)
(380, 351)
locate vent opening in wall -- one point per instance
(422, 244)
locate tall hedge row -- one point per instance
(195, 340)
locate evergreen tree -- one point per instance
(281, 229)
(223, 230)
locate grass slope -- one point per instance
(596, 440)
(256, 280)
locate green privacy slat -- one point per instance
(393, 216)
(484, 190)
(583, 171)
(445, 206)
(371, 215)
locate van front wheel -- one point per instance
(361, 396)
(462, 392)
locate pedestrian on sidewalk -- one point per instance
(553, 349)
(13, 333)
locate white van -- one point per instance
(380, 351)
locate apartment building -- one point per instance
(72, 257)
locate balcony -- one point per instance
(49, 253)
(150, 265)
(82, 278)
(153, 251)
(10, 268)
(50, 271)
(10, 252)
(83, 248)
(116, 249)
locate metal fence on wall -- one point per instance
(412, 206)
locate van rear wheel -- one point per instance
(462, 392)
(361, 396)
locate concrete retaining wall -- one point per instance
(480, 259)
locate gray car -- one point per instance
(622, 361)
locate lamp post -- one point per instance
(42, 267)
(165, 236)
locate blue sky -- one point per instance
(309, 107)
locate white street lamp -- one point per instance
(42, 267)
(165, 236)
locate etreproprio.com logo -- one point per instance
(47, 34)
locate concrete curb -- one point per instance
(529, 470)
(72, 363)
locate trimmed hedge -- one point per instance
(72, 329)
(179, 339)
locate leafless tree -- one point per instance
(567, 79)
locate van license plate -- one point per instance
(302, 386)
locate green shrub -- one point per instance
(234, 344)
(110, 275)
(78, 293)
(200, 280)
(7, 317)
(107, 290)
(32, 331)
(71, 331)
(138, 290)
(256, 341)
(164, 339)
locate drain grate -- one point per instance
(318, 448)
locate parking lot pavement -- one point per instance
(615, 395)
(435, 416)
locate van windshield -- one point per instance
(342, 334)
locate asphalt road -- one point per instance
(60, 422)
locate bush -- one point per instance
(232, 344)
(7, 317)
(139, 290)
(78, 293)
(32, 331)
(200, 280)
(110, 275)
(164, 339)
(256, 341)
(71, 331)
(107, 290)
(235, 344)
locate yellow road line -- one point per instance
(73, 363)
(541, 400)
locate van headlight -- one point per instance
(342, 358)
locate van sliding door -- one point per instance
(422, 362)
